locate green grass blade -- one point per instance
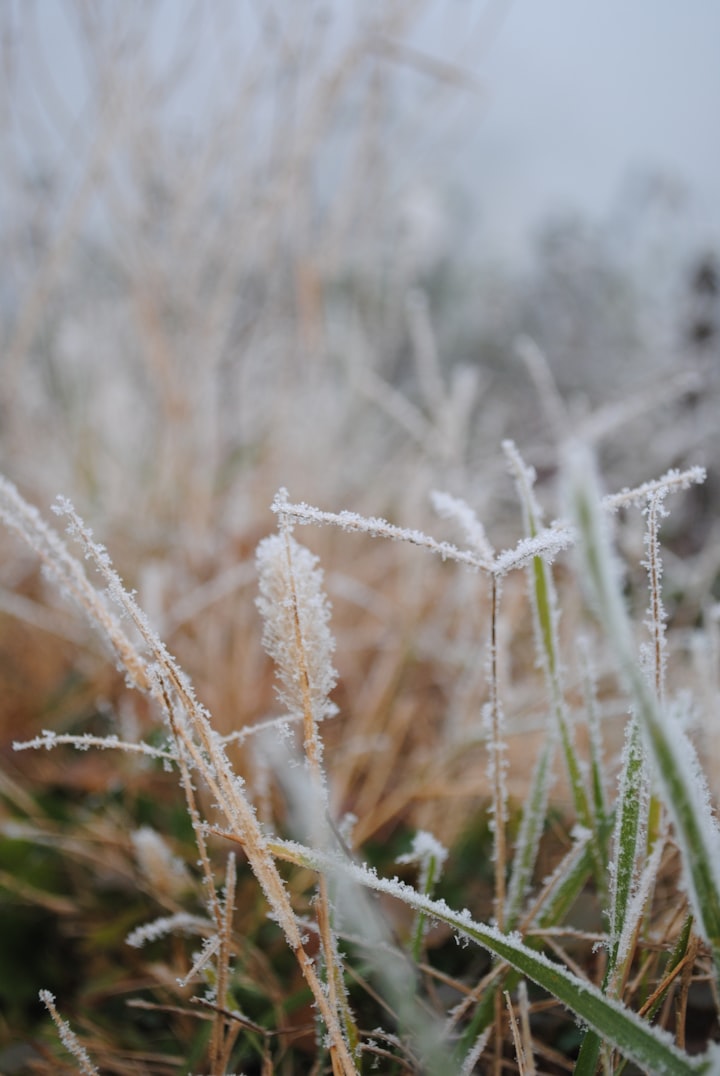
(628, 834)
(557, 898)
(531, 826)
(603, 814)
(545, 616)
(682, 784)
(589, 1055)
(626, 1032)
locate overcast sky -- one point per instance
(582, 95)
(577, 97)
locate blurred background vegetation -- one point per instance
(245, 246)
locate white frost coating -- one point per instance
(525, 479)
(173, 688)
(376, 528)
(640, 495)
(169, 678)
(69, 575)
(424, 846)
(297, 614)
(430, 854)
(68, 1036)
(546, 544)
(280, 724)
(169, 924)
(160, 676)
(655, 622)
(485, 934)
(84, 741)
(358, 918)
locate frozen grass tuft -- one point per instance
(353, 953)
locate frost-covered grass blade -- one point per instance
(633, 1037)
(683, 785)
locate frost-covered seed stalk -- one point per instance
(297, 636)
(68, 1037)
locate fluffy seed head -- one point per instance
(297, 635)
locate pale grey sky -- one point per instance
(582, 94)
(577, 97)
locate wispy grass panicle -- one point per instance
(296, 617)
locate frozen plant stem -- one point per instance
(221, 1044)
(497, 750)
(546, 614)
(463, 515)
(297, 636)
(653, 564)
(655, 510)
